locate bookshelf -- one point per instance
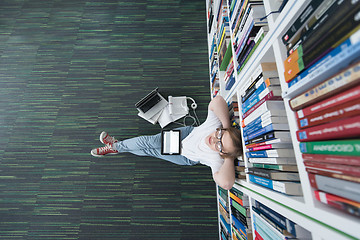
(315, 219)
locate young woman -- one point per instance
(214, 143)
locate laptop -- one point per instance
(151, 104)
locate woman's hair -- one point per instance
(235, 135)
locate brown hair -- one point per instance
(235, 135)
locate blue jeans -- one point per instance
(151, 146)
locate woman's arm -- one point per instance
(225, 177)
(219, 106)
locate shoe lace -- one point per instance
(104, 149)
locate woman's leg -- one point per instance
(151, 146)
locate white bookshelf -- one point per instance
(321, 221)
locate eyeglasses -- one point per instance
(218, 145)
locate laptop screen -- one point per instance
(149, 103)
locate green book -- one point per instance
(334, 147)
(288, 168)
(227, 57)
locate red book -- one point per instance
(257, 236)
(336, 168)
(341, 111)
(345, 128)
(338, 202)
(347, 160)
(352, 94)
(333, 174)
(269, 96)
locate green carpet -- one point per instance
(70, 69)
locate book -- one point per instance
(347, 160)
(259, 130)
(339, 14)
(335, 168)
(341, 81)
(271, 108)
(341, 111)
(270, 146)
(291, 161)
(352, 94)
(271, 153)
(287, 187)
(266, 230)
(273, 174)
(342, 188)
(301, 21)
(334, 61)
(334, 174)
(343, 204)
(263, 88)
(325, 43)
(344, 128)
(269, 96)
(279, 167)
(272, 142)
(335, 147)
(283, 135)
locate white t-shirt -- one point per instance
(195, 148)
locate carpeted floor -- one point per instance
(70, 69)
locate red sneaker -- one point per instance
(102, 151)
(106, 139)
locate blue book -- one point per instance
(262, 131)
(227, 226)
(287, 187)
(230, 82)
(334, 61)
(277, 218)
(238, 225)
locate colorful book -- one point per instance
(273, 174)
(271, 153)
(335, 168)
(283, 135)
(343, 204)
(257, 131)
(336, 147)
(291, 161)
(272, 142)
(344, 128)
(270, 146)
(269, 96)
(339, 82)
(275, 108)
(333, 174)
(342, 188)
(287, 187)
(341, 111)
(352, 94)
(265, 120)
(279, 167)
(335, 159)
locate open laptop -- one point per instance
(151, 104)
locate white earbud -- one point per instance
(193, 105)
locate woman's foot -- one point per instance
(102, 151)
(106, 139)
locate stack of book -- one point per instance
(223, 36)
(224, 214)
(234, 112)
(239, 168)
(266, 133)
(240, 215)
(269, 224)
(248, 27)
(328, 118)
(324, 37)
(214, 73)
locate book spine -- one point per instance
(273, 160)
(262, 131)
(275, 108)
(341, 111)
(343, 54)
(301, 20)
(347, 160)
(335, 186)
(337, 168)
(345, 128)
(269, 135)
(349, 95)
(333, 174)
(337, 83)
(271, 153)
(267, 97)
(335, 147)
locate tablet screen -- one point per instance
(170, 142)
